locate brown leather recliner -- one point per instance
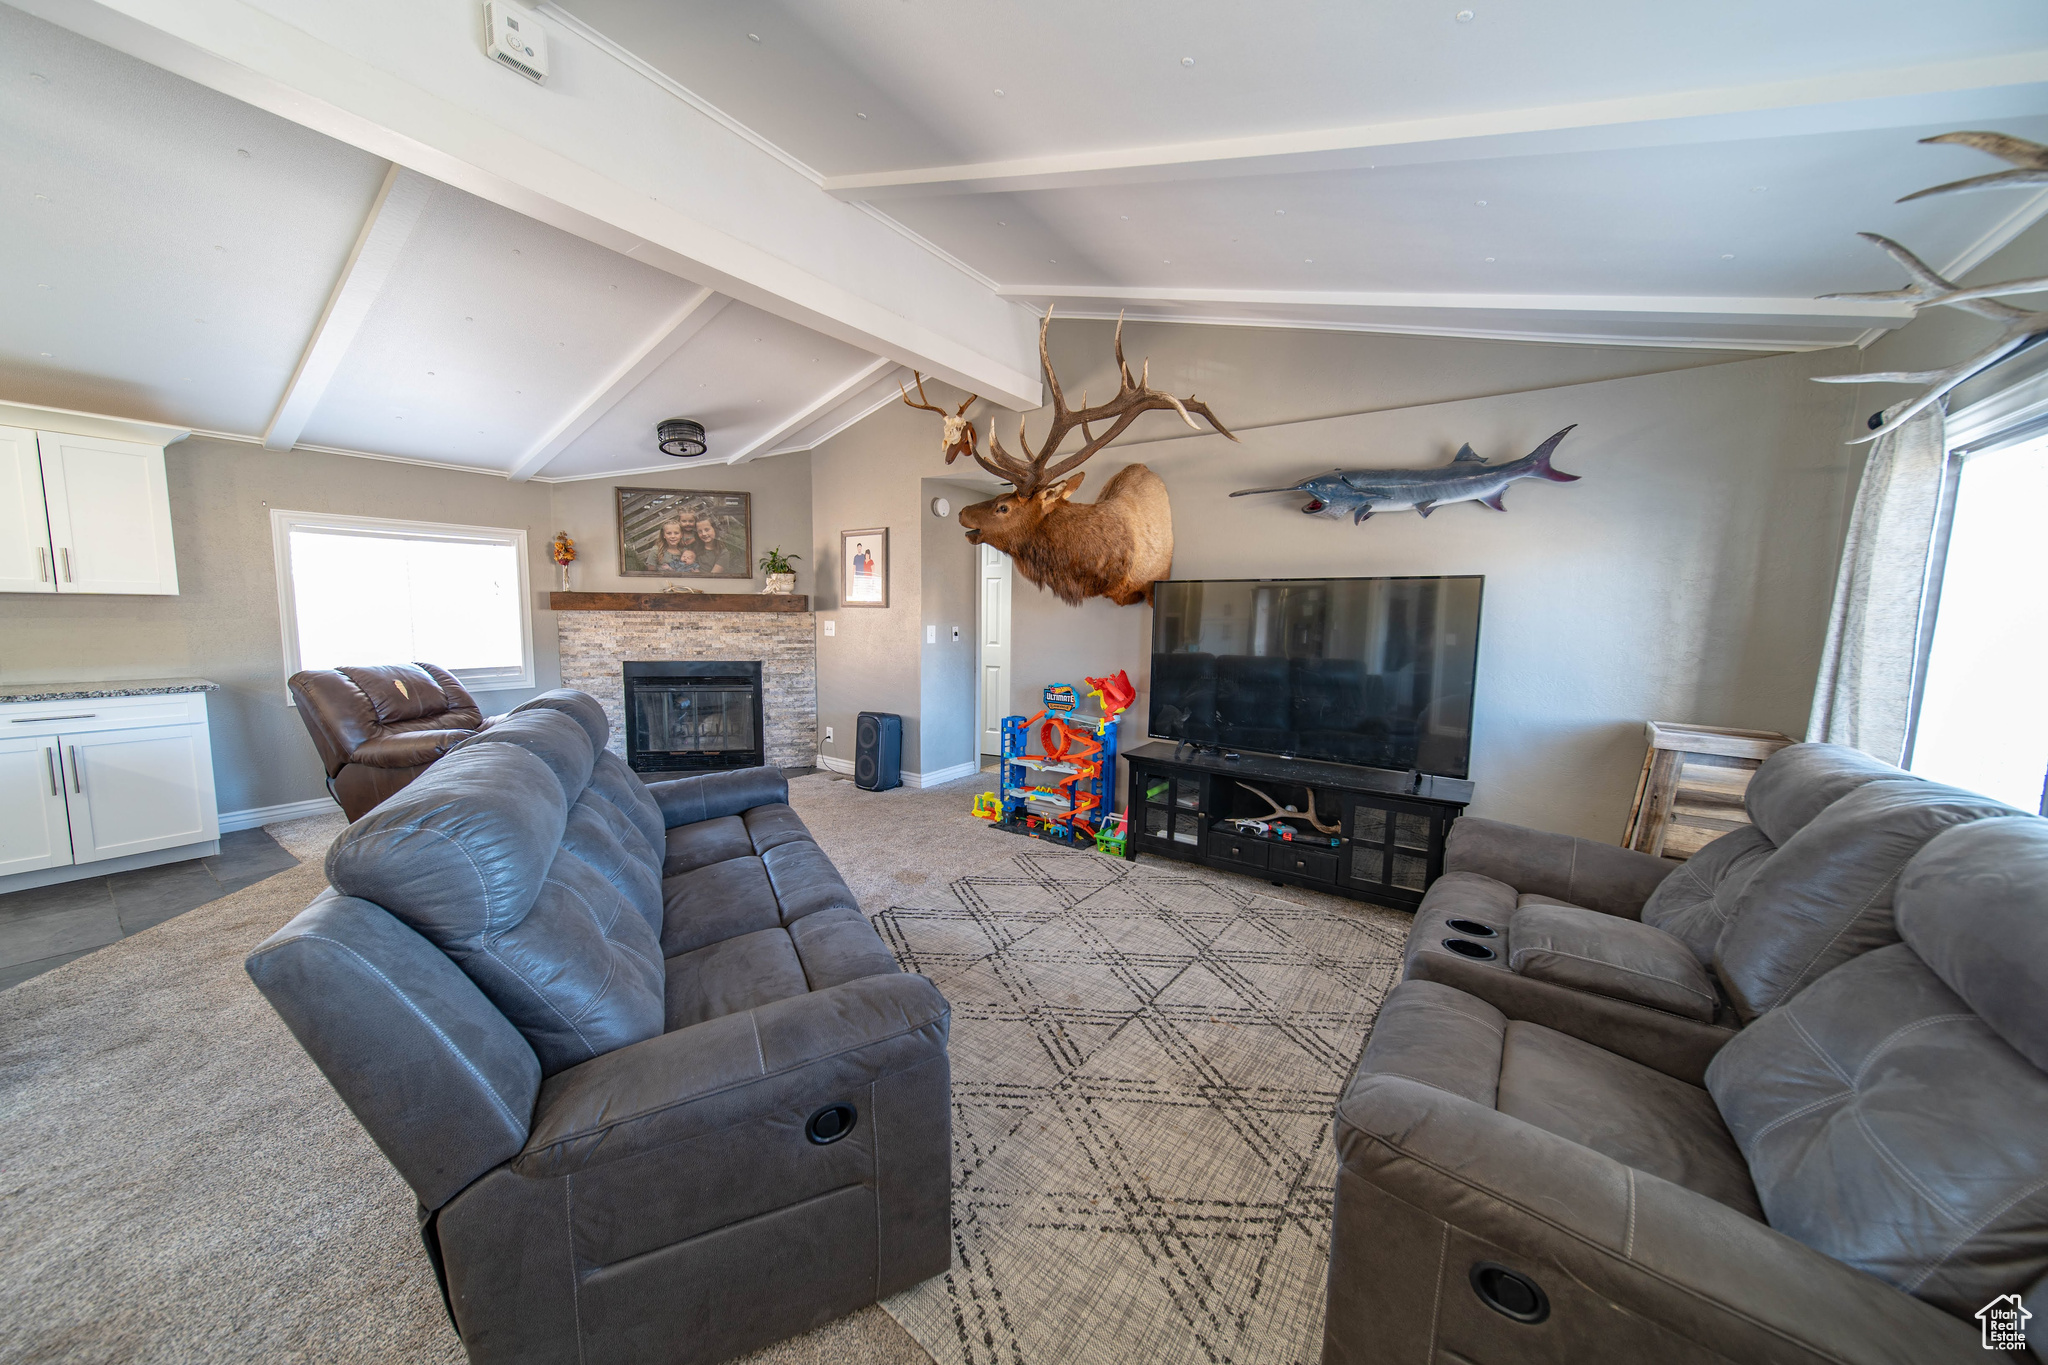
(378, 728)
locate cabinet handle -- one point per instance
(42, 565)
(66, 552)
(50, 762)
(77, 783)
(39, 720)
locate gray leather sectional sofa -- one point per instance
(661, 1091)
(1784, 1103)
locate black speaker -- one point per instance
(878, 751)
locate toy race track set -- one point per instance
(1066, 792)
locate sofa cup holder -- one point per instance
(1472, 928)
(1465, 947)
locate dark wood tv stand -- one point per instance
(1391, 845)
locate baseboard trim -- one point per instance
(937, 778)
(941, 776)
(271, 815)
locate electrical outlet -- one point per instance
(931, 635)
(829, 625)
(828, 729)
(956, 635)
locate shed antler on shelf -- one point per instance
(959, 433)
(1290, 813)
(1134, 397)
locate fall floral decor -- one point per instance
(563, 551)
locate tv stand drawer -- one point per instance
(1237, 848)
(1304, 862)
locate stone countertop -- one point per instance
(94, 691)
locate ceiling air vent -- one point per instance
(515, 38)
(681, 437)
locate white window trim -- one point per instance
(283, 523)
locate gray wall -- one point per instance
(223, 624)
(946, 694)
(1686, 577)
(866, 477)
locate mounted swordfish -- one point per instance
(1359, 493)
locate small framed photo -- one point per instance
(685, 533)
(864, 567)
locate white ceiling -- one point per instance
(170, 251)
(1499, 170)
(1581, 170)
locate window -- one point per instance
(1979, 724)
(364, 590)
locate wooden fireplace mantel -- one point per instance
(678, 601)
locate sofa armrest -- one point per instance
(1603, 877)
(712, 1075)
(1617, 1250)
(407, 748)
(706, 796)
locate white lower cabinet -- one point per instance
(35, 830)
(135, 791)
(88, 781)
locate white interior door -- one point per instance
(110, 515)
(25, 562)
(131, 791)
(994, 646)
(34, 831)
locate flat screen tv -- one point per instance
(1372, 671)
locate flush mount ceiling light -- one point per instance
(681, 437)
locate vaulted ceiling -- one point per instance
(343, 227)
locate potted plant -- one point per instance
(781, 576)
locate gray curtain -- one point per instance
(1864, 696)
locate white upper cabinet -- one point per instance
(110, 515)
(26, 563)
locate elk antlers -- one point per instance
(959, 433)
(1134, 398)
(1290, 813)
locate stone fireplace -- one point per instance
(693, 716)
(596, 645)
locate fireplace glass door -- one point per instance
(684, 723)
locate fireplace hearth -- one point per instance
(693, 717)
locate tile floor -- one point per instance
(50, 925)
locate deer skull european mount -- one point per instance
(1117, 546)
(2020, 329)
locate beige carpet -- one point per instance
(178, 1183)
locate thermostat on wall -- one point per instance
(514, 36)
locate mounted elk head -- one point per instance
(1114, 547)
(959, 433)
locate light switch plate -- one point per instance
(829, 625)
(931, 635)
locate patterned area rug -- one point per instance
(1145, 1060)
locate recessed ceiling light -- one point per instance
(1758, 189)
(858, 114)
(753, 37)
(241, 151)
(469, 319)
(1166, 263)
(46, 355)
(1001, 223)
(1125, 216)
(1308, 260)
(1463, 16)
(1187, 61)
(1480, 202)
(42, 286)
(999, 94)
(40, 79)
(1489, 260)
(1050, 261)
(1727, 255)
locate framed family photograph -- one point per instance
(685, 533)
(864, 567)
